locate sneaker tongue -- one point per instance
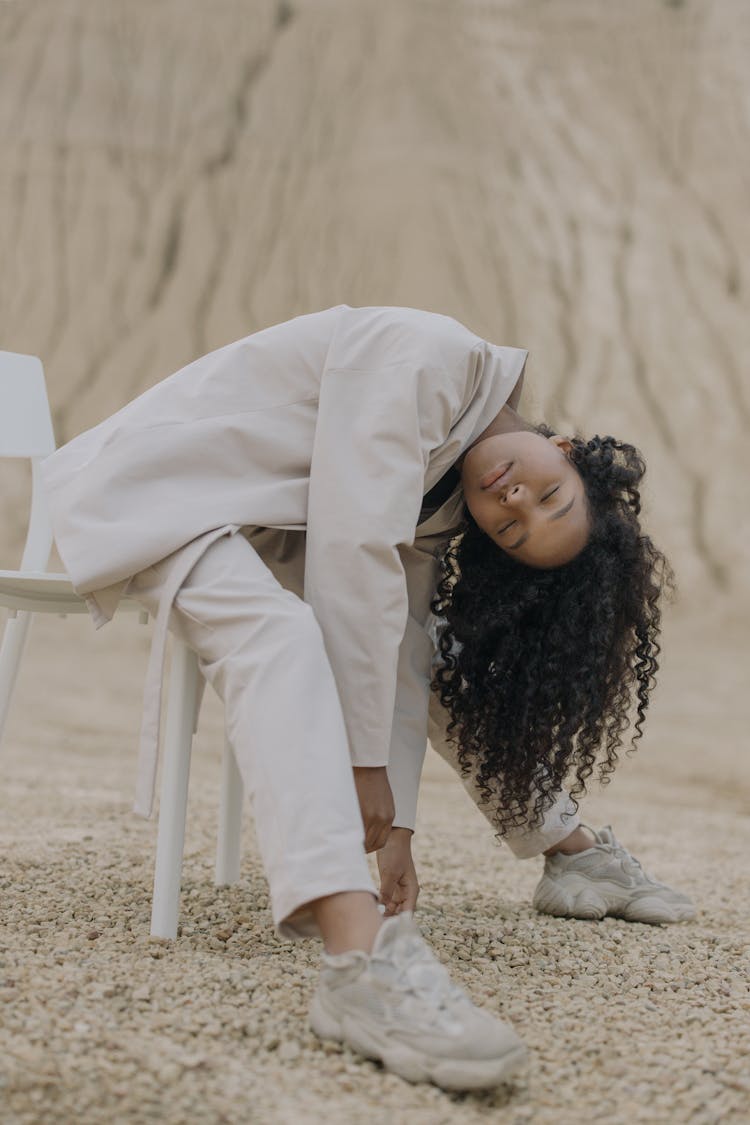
(399, 949)
(393, 929)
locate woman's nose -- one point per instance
(514, 495)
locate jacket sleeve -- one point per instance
(374, 434)
(409, 733)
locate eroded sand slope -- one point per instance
(571, 177)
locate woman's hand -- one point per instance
(398, 878)
(375, 804)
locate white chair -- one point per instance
(26, 431)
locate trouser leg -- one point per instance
(559, 820)
(262, 649)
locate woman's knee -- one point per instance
(285, 632)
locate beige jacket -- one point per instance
(319, 438)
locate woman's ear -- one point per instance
(564, 444)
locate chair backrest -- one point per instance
(26, 431)
(25, 421)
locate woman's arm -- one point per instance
(374, 434)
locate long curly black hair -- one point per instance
(542, 670)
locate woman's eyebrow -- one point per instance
(555, 516)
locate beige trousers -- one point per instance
(558, 822)
(261, 648)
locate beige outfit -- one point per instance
(317, 439)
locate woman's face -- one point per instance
(527, 496)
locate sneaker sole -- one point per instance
(581, 899)
(416, 1066)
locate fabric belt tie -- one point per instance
(148, 750)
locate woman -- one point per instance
(267, 504)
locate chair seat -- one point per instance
(43, 592)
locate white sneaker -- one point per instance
(607, 879)
(400, 1006)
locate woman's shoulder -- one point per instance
(397, 334)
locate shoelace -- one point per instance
(420, 973)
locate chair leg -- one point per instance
(230, 819)
(11, 651)
(178, 738)
(200, 689)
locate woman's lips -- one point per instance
(496, 475)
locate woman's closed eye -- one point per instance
(544, 499)
(506, 527)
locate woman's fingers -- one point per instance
(388, 888)
(403, 896)
(411, 894)
(393, 906)
(399, 890)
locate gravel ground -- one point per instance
(101, 1023)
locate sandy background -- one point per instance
(571, 177)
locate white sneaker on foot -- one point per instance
(607, 879)
(400, 1006)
